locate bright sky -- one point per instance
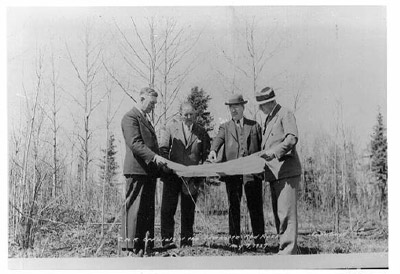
(330, 53)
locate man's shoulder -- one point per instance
(283, 111)
(199, 128)
(132, 112)
(249, 121)
(226, 123)
(129, 116)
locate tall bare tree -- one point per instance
(109, 118)
(162, 60)
(26, 187)
(177, 50)
(87, 75)
(252, 59)
(54, 110)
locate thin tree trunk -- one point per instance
(86, 156)
(54, 114)
(350, 208)
(337, 204)
(25, 186)
(106, 168)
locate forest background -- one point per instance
(73, 72)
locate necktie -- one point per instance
(266, 123)
(186, 130)
(148, 120)
(238, 124)
(186, 133)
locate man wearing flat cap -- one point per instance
(141, 169)
(241, 137)
(283, 169)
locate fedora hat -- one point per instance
(236, 99)
(265, 95)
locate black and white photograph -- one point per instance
(197, 137)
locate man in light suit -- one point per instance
(141, 168)
(283, 169)
(186, 143)
(241, 137)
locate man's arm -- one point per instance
(166, 142)
(134, 140)
(291, 136)
(219, 139)
(290, 140)
(259, 136)
(206, 144)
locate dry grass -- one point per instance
(211, 240)
(72, 236)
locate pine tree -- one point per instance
(199, 100)
(112, 163)
(379, 160)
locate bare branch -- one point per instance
(74, 98)
(130, 45)
(135, 68)
(230, 61)
(75, 66)
(118, 82)
(234, 86)
(97, 104)
(116, 110)
(140, 38)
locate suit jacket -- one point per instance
(227, 136)
(194, 151)
(174, 147)
(141, 144)
(286, 162)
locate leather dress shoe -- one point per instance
(235, 248)
(169, 246)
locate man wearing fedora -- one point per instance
(283, 169)
(241, 137)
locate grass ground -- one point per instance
(55, 241)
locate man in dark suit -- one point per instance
(141, 167)
(186, 143)
(283, 169)
(241, 137)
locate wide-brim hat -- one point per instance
(265, 95)
(236, 99)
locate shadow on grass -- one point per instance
(303, 250)
(243, 248)
(218, 246)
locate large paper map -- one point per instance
(246, 165)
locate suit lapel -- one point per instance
(146, 122)
(246, 127)
(232, 129)
(179, 132)
(192, 137)
(185, 138)
(270, 125)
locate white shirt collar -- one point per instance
(187, 128)
(241, 121)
